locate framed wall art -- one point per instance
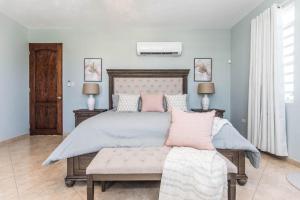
(93, 69)
(203, 69)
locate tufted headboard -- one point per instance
(133, 81)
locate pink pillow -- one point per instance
(152, 102)
(191, 130)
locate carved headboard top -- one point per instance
(132, 81)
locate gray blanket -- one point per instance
(139, 129)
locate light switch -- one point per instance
(70, 83)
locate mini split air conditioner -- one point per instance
(159, 48)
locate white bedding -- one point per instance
(138, 129)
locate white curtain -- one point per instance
(266, 106)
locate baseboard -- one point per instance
(14, 139)
(65, 134)
(293, 162)
(24, 136)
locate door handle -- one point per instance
(58, 98)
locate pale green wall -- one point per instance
(240, 52)
(293, 110)
(13, 79)
(118, 50)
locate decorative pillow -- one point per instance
(177, 102)
(152, 102)
(191, 130)
(128, 103)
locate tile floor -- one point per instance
(23, 177)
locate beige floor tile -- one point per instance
(23, 177)
(271, 192)
(274, 185)
(9, 197)
(8, 188)
(244, 193)
(123, 190)
(50, 195)
(6, 171)
(4, 155)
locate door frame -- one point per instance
(59, 48)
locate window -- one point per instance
(288, 42)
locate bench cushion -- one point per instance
(148, 160)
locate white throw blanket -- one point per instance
(191, 174)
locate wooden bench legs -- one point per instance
(90, 188)
(103, 186)
(91, 182)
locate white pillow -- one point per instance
(177, 102)
(128, 103)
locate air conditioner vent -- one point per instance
(159, 48)
(159, 53)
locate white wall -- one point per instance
(118, 50)
(14, 103)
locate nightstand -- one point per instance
(83, 114)
(219, 112)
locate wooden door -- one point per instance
(45, 89)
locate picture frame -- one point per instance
(92, 69)
(203, 69)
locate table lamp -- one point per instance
(206, 88)
(91, 89)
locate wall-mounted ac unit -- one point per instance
(159, 48)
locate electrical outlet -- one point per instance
(244, 120)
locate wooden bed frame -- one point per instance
(77, 165)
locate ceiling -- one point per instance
(194, 14)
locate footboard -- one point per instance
(237, 157)
(77, 165)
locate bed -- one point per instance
(171, 81)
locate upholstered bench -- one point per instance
(137, 164)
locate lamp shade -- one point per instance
(206, 88)
(90, 88)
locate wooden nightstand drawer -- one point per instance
(83, 114)
(219, 112)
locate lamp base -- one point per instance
(205, 102)
(91, 102)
